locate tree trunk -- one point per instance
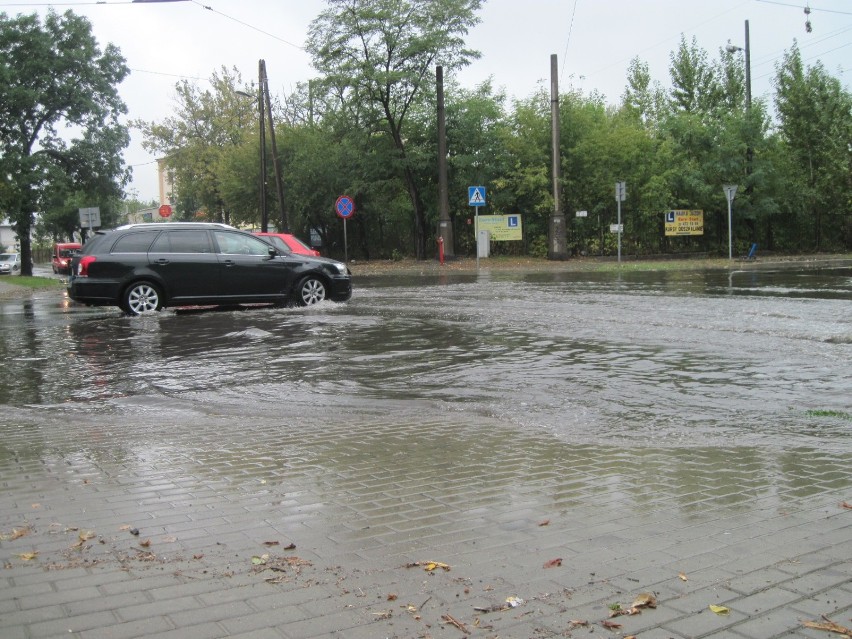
(23, 226)
(419, 215)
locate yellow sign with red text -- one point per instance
(685, 222)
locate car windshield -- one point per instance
(8, 257)
(277, 242)
(301, 243)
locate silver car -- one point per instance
(10, 264)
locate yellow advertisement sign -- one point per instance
(502, 227)
(685, 222)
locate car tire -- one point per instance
(141, 297)
(310, 290)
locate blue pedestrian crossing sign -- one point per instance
(476, 196)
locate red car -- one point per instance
(62, 254)
(289, 243)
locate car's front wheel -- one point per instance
(141, 297)
(311, 290)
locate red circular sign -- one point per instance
(165, 210)
(345, 207)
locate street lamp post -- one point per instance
(732, 48)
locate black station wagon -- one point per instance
(145, 267)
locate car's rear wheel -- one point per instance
(311, 290)
(141, 297)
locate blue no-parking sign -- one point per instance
(345, 207)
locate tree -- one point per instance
(695, 87)
(54, 77)
(642, 99)
(815, 115)
(379, 54)
(199, 143)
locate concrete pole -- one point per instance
(276, 162)
(558, 233)
(445, 225)
(264, 212)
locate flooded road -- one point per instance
(663, 359)
(640, 425)
(728, 363)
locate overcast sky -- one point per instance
(594, 40)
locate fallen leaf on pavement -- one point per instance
(553, 563)
(683, 576)
(829, 626)
(846, 504)
(429, 566)
(17, 533)
(645, 600)
(612, 625)
(719, 610)
(544, 523)
(28, 556)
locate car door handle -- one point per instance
(229, 262)
(162, 260)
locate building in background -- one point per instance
(164, 183)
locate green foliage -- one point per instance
(54, 77)
(367, 128)
(377, 56)
(816, 128)
(210, 148)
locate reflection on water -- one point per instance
(710, 386)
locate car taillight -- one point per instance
(83, 266)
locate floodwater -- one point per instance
(751, 360)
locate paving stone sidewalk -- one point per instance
(335, 535)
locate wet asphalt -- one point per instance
(349, 474)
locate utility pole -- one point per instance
(749, 150)
(557, 245)
(264, 212)
(276, 163)
(445, 226)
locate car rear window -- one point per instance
(183, 241)
(134, 242)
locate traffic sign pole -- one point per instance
(620, 195)
(730, 193)
(345, 208)
(476, 198)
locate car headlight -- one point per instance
(341, 268)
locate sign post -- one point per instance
(476, 199)
(345, 208)
(90, 217)
(620, 196)
(730, 194)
